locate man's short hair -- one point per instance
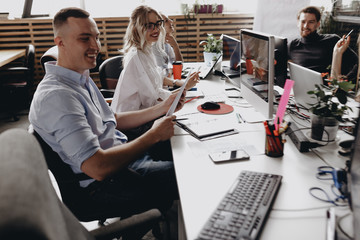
(312, 10)
(62, 16)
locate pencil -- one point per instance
(191, 99)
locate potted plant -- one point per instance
(212, 48)
(329, 108)
(208, 8)
(191, 11)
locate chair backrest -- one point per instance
(30, 63)
(50, 55)
(30, 57)
(109, 72)
(74, 197)
(29, 206)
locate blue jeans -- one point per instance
(146, 184)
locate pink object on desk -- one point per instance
(283, 102)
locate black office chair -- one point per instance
(17, 82)
(109, 72)
(30, 207)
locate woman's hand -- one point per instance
(341, 46)
(169, 38)
(194, 79)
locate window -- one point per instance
(347, 11)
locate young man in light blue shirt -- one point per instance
(70, 114)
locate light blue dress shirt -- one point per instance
(70, 114)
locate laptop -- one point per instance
(305, 80)
(203, 69)
(231, 55)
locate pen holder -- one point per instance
(274, 145)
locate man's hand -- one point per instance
(167, 103)
(163, 128)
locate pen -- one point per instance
(349, 33)
(240, 117)
(179, 119)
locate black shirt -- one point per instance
(315, 52)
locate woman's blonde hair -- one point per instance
(135, 35)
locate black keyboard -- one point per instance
(242, 212)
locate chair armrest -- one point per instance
(133, 227)
(14, 69)
(107, 93)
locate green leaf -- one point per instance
(346, 86)
(341, 96)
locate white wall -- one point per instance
(278, 17)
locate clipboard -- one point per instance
(172, 108)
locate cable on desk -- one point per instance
(311, 144)
(321, 158)
(339, 225)
(298, 114)
(327, 197)
(300, 210)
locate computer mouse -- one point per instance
(345, 149)
(210, 105)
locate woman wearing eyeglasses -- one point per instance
(141, 82)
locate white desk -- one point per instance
(202, 184)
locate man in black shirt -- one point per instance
(314, 50)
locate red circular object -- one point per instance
(224, 109)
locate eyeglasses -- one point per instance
(151, 26)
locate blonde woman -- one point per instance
(140, 84)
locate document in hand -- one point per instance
(177, 98)
(205, 129)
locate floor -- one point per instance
(7, 122)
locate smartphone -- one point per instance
(226, 156)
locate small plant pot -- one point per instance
(324, 128)
(208, 8)
(209, 57)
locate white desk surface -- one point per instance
(202, 184)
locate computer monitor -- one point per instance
(230, 63)
(281, 58)
(354, 182)
(231, 55)
(257, 84)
